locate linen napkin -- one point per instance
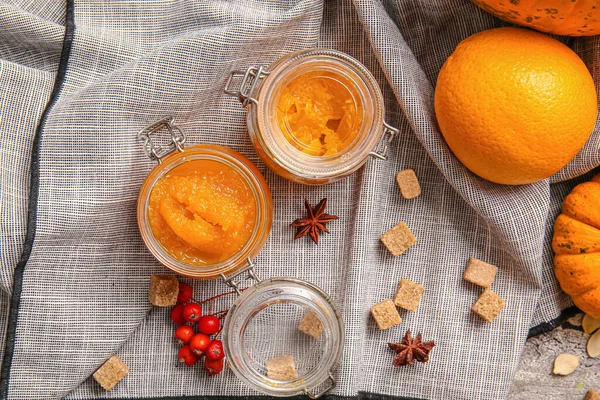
(81, 78)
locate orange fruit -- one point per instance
(514, 105)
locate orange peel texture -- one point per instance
(514, 105)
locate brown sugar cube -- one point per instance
(398, 239)
(488, 305)
(311, 325)
(408, 295)
(480, 273)
(111, 372)
(163, 290)
(592, 395)
(385, 314)
(282, 368)
(408, 184)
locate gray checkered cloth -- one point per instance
(83, 292)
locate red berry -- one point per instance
(213, 367)
(177, 314)
(185, 293)
(186, 356)
(209, 324)
(199, 343)
(192, 312)
(215, 350)
(184, 334)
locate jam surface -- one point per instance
(202, 212)
(320, 113)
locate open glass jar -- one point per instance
(314, 116)
(266, 321)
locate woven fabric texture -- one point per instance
(85, 284)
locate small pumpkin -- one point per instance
(576, 245)
(560, 17)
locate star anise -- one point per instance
(314, 222)
(410, 350)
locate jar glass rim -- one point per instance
(245, 308)
(292, 159)
(260, 192)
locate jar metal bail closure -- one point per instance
(272, 319)
(314, 116)
(229, 280)
(156, 152)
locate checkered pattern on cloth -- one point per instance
(85, 285)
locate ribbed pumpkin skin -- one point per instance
(576, 245)
(560, 17)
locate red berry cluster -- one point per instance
(194, 330)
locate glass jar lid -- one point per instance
(284, 337)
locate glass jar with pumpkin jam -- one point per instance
(314, 116)
(204, 211)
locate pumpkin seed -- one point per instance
(590, 324)
(565, 364)
(593, 345)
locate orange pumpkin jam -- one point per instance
(320, 113)
(202, 212)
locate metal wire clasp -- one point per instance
(389, 133)
(250, 79)
(229, 280)
(157, 152)
(322, 392)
